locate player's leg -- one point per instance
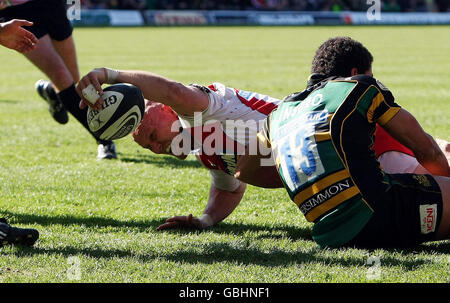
(46, 59)
(51, 64)
(408, 213)
(66, 50)
(444, 227)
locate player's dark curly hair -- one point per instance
(337, 56)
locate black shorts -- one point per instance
(48, 16)
(409, 213)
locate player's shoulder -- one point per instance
(296, 96)
(369, 81)
(206, 89)
(216, 88)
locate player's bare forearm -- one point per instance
(435, 161)
(222, 203)
(405, 128)
(183, 99)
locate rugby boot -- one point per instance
(16, 236)
(55, 106)
(106, 150)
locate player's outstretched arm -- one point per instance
(220, 205)
(13, 36)
(405, 128)
(185, 100)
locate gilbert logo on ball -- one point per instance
(121, 113)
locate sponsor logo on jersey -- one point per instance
(428, 218)
(316, 118)
(325, 195)
(422, 180)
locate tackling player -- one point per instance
(217, 105)
(13, 36)
(321, 141)
(55, 56)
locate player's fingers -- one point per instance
(32, 38)
(94, 81)
(83, 83)
(177, 219)
(167, 226)
(78, 89)
(83, 90)
(28, 44)
(189, 219)
(99, 104)
(82, 104)
(20, 49)
(21, 22)
(23, 47)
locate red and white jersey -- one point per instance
(385, 143)
(394, 157)
(220, 133)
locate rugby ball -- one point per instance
(122, 111)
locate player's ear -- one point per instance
(169, 109)
(354, 71)
(148, 103)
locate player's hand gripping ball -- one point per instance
(122, 111)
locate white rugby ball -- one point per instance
(122, 111)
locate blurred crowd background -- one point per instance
(272, 5)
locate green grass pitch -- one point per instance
(98, 219)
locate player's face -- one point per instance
(155, 131)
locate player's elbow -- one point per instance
(430, 153)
